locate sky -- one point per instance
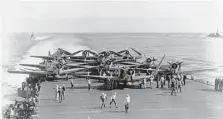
(114, 16)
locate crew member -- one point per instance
(57, 92)
(72, 84)
(168, 80)
(151, 81)
(113, 100)
(127, 103)
(38, 85)
(60, 94)
(30, 86)
(162, 81)
(63, 91)
(179, 85)
(221, 85)
(12, 113)
(144, 83)
(23, 85)
(217, 81)
(100, 71)
(103, 98)
(89, 83)
(173, 86)
(104, 74)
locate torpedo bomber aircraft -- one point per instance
(114, 69)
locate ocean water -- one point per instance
(195, 50)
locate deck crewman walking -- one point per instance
(113, 100)
(63, 91)
(89, 83)
(103, 98)
(184, 79)
(127, 103)
(72, 84)
(60, 94)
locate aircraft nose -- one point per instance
(59, 65)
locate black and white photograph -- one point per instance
(101, 59)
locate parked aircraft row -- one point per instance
(112, 68)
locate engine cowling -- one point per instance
(127, 52)
(130, 71)
(148, 60)
(85, 53)
(60, 61)
(174, 66)
(108, 62)
(59, 65)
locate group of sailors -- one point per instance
(27, 107)
(21, 109)
(103, 97)
(175, 82)
(60, 93)
(219, 84)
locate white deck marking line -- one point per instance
(98, 111)
(79, 112)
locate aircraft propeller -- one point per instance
(175, 65)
